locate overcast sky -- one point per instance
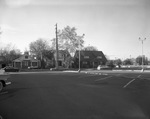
(113, 26)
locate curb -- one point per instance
(95, 73)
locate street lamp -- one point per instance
(142, 40)
(0, 31)
(79, 52)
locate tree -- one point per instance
(9, 53)
(118, 62)
(110, 63)
(127, 62)
(68, 40)
(38, 48)
(139, 60)
(90, 48)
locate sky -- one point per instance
(113, 26)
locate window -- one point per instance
(86, 57)
(26, 57)
(34, 63)
(84, 62)
(99, 57)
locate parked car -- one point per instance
(11, 69)
(3, 79)
(104, 67)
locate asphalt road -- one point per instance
(76, 96)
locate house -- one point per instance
(49, 59)
(26, 61)
(64, 58)
(89, 59)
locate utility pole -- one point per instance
(56, 63)
(0, 31)
(142, 52)
(79, 56)
(80, 53)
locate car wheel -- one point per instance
(1, 86)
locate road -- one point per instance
(76, 96)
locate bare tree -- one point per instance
(9, 53)
(38, 48)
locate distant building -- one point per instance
(26, 61)
(89, 59)
(64, 58)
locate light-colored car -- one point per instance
(104, 67)
(3, 79)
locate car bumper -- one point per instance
(7, 83)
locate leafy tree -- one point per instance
(68, 40)
(118, 62)
(127, 62)
(139, 60)
(90, 48)
(48, 54)
(48, 58)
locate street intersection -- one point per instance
(73, 95)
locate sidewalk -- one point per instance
(108, 71)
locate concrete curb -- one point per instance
(87, 72)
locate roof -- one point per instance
(92, 55)
(23, 58)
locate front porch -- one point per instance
(26, 64)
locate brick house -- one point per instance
(89, 59)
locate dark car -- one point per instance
(11, 69)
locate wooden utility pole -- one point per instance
(56, 65)
(80, 53)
